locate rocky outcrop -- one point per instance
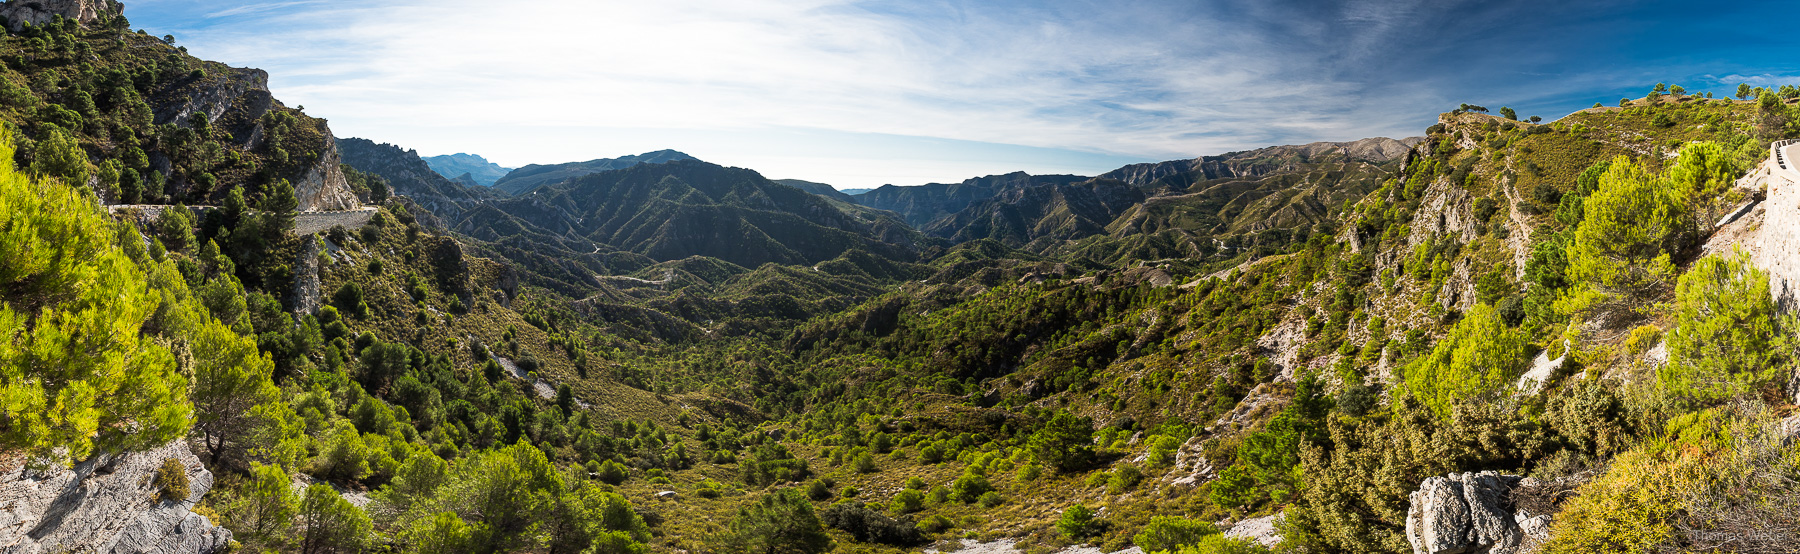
(1263, 530)
(235, 101)
(305, 297)
(39, 12)
(323, 187)
(107, 504)
(1472, 513)
(244, 88)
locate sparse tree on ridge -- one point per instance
(1743, 91)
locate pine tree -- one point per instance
(1630, 227)
(331, 525)
(1065, 442)
(76, 372)
(1726, 339)
(1480, 355)
(262, 511)
(781, 522)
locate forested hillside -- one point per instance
(1300, 349)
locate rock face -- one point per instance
(322, 187)
(244, 89)
(305, 298)
(39, 12)
(1471, 513)
(107, 504)
(235, 101)
(1255, 163)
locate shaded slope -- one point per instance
(921, 204)
(691, 208)
(1023, 214)
(526, 178)
(409, 175)
(1214, 206)
(820, 189)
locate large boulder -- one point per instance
(107, 504)
(1471, 513)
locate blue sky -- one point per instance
(862, 93)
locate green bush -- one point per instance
(1123, 479)
(349, 299)
(171, 481)
(907, 501)
(939, 495)
(612, 473)
(818, 491)
(865, 463)
(870, 526)
(1627, 509)
(1078, 522)
(1480, 355)
(969, 488)
(1064, 442)
(1630, 226)
(782, 522)
(1170, 533)
(1030, 472)
(935, 524)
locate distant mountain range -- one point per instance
(673, 210)
(632, 211)
(524, 179)
(468, 169)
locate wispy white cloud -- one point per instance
(1143, 80)
(259, 8)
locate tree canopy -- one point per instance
(1726, 340)
(1480, 354)
(76, 371)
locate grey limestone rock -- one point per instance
(1468, 513)
(39, 12)
(107, 504)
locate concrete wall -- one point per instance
(306, 223)
(1777, 248)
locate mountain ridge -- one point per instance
(477, 170)
(525, 179)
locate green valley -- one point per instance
(1572, 331)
